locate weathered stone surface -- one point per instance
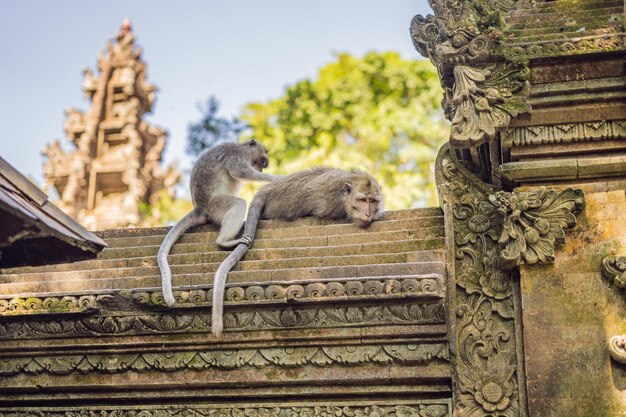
(571, 313)
(341, 312)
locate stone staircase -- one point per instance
(309, 299)
(405, 242)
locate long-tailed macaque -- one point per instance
(215, 180)
(323, 193)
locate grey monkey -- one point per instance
(324, 193)
(215, 180)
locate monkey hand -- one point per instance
(246, 240)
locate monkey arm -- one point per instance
(246, 172)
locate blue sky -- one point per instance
(239, 51)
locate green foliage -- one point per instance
(211, 129)
(164, 211)
(378, 113)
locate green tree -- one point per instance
(211, 129)
(379, 113)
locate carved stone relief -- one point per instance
(482, 90)
(423, 408)
(491, 231)
(566, 133)
(614, 270)
(198, 360)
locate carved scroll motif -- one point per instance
(482, 90)
(490, 231)
(617, 348)
(614, 270)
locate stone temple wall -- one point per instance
(571, 312)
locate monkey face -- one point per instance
(364, 202)
(258, 155)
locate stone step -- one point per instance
(273, 224)
(426, 234)
(554, 17)
(208, 256)
(547, 6)
(412, 267)
(289, 232)
(548, 33)
(246, 265)
(433, 239)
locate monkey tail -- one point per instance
(219, 282)
(219, 287)
(190, 220)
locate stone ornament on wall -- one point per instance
(484, 347)
(534, 222)
(566, 133)
(617, 348)
(422, 408)
(422, 286)
(489, 232)
(198, 322)
(614, 270)
(199, 360)
(482, 90)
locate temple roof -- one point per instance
(35, 232)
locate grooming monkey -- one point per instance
(324, 193)
(215, 180)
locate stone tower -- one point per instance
(116, 165)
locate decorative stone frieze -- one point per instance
(424, 408)
(567, 133)
(276, 292)
(49, 305)
(198, 360)
(199, 322)
(482, 90)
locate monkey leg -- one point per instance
(230, 212)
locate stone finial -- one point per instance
(482, 91)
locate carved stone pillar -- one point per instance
(535, 94)
(489, 233)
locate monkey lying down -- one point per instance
(323, 193)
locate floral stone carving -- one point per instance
(490, 231)
(481, 103)
(484, 344)
(534, 222)
(482, 89)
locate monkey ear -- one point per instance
(252, 142)
(347, 188)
